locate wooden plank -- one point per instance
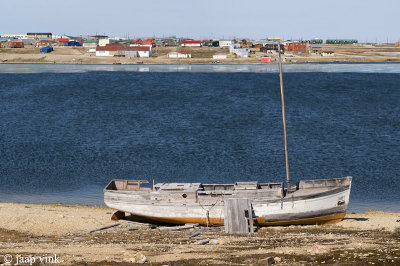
(177, 228)
(238, 216)
(104, 228)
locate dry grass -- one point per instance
(29, 50)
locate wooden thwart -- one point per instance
(238, 216)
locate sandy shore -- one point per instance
(83, 235)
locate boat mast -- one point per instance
(284, 118)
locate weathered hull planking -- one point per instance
(310, 202)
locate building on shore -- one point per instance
(98, 37)
(62, 41)
(211, 43)
(149, 46)
(246, 43)
(315, 48)
(3, 42)
(150, 41)
(44, 42)
(38, 35)
(90, 43)
(271, 47)
(226, 43)
(327, 53)
(168, 42)
(316, 41)
(104, 41)
(341, 41)
(274, 39)
(16, 44)
(239, 51)
(14, 36)
(266, 59)
(297, 47)
(190, 43)
(179, 55)
(219, 56)
(261, 42)
(120, 50)
(29, 42)
(73, 43)
(137, 41)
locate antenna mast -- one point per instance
(284, 118)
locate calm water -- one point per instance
(66, 131)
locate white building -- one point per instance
(219, 56)
(104, 42)
(104, 53)
(89, 44)
(239, 51)
(179, 55)
(15, 36)
(144, 51)
(233, 46)
(144, 45)
(225, 43)
(327, 53)
(112, 50)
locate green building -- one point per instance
(341, 41)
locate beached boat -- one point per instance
(308, 202)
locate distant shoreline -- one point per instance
(206, 63)
(200, 55)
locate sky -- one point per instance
(364, 20)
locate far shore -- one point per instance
(85, 234)
(201, 55)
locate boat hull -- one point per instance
(324, 207)
(259, 221)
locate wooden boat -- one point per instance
(308, 202)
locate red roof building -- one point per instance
(150, 41)
(62, 41)
(137, 41)
(297, 47)
(191, 43)
(16, 44)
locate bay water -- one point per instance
(67, 130)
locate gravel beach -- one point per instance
(85, 235)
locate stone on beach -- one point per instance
(134, 258)
(319, 249)
(267, 261)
